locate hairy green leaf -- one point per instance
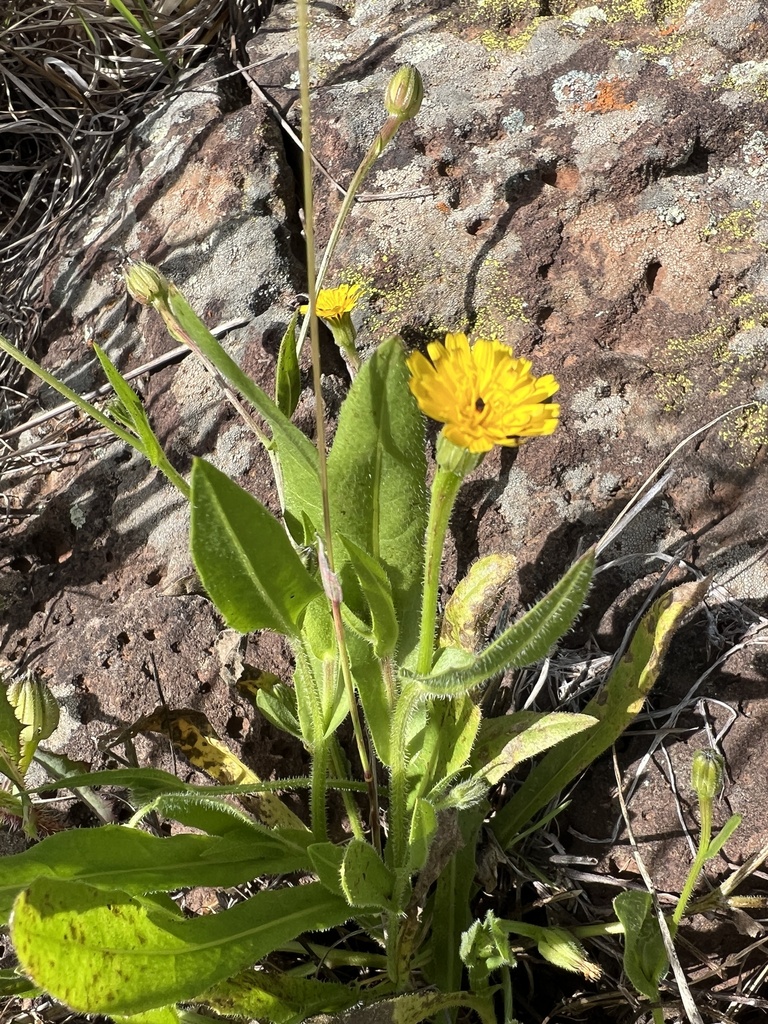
(504, 743)
(102, 952)
(376, 480)
(645, 959)
(117, 857)
(280, 998)
(615, 706)
(526, 641)
(244, 558)
(365, 878)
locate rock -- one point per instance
(589, 185)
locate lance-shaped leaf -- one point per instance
(106, 953)
(377, 591)
(135, 415)
(244, 558)
(615, 707)
(288, 375)
(280, 998)
(505, 742)
(526, 641)
(119, 857)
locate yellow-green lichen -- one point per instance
(512, 43)
(671, 390)
(746, 432)
(661, 11)
(499, 308)
(735, 369)
(734, 231)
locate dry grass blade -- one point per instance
(72, 78)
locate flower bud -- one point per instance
(36, 711)
(707, 774)
(456, 459)
(145, 283)
(404, 94)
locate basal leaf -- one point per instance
(504, 743)
(102, 952)
(280, 998)
(526, 641)
(244, 558)
(616, 705)
(117, 857)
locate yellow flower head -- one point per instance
(333, 303)
(484, 394)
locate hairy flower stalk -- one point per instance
(485, 396)
(402, 101)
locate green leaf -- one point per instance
(645, 959)
(297, 454)
(162, 1015)
(376, 481)
(137, 416)
(10, 736)
(327, 859)
(451, 913)
(365, 878)
(423, 828)
(102, 952)
(504, 743)
(119, 857)
(280, 998)
(244, 557)
(723, 836)
(451, 727)
(288, 377)
(526, 641)
(615, 707)
(278, 706)
(14, 984)
(377, 591)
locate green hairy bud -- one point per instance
(706, 774)
(404, 94)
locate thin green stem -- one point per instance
(705, 837)
(445, 487)
(355, 821)
(385, 135)
(319, 790)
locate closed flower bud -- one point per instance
(707, 774)
(405, 92)
(36, 711)
(145, 284)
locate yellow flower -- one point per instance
(484, 394)
(333, 303)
